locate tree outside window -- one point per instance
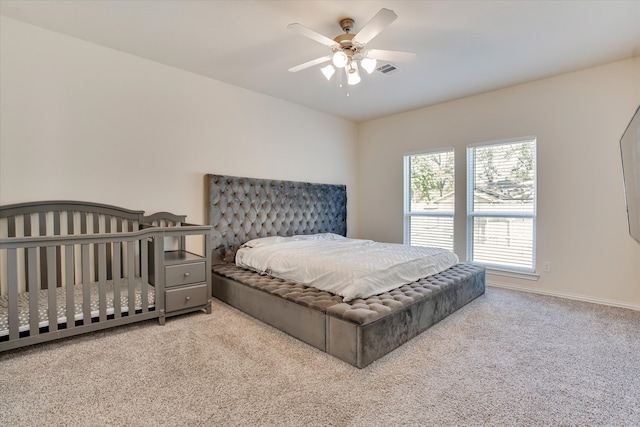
(429, 199)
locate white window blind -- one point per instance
(501, 204)
(429, 199)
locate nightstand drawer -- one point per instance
(184, 274)
(186, 297)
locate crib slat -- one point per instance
(102, 280)
(12, 293)
(119, 271)
(86, 285)
(131, 277)
(56, 232)
(117, 279)
(107, 230)
(144, 279)
(95, 230)
(59, 265)
(51, 280)
(33, 288)
(69, 284)
(26, 229)
(44, 277)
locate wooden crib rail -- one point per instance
(62, 217)
(69, 262)
(65, 218)
(164, 219)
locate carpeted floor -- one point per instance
(508, 358)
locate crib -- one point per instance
(68, 268)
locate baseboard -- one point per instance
(576, 297)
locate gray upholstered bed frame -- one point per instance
(358, 332)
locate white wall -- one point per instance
(578, 119)
(83, 122)
(80, 121)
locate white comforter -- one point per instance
(351, 268)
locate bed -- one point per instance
(356, 330)
(70, 267)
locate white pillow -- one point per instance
(263, 241)
(321, 236)
(272, 240)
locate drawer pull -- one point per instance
(186, 274)
(187, 298)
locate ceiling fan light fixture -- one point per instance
(340, 59)
(369, 64)
(353, 76)
(328, 71)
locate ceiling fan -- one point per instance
(349, 51)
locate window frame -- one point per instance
(471, 215)
(407, 214)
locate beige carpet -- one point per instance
(508, 358)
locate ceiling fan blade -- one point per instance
(378, 23)
(310, 64)
(390, 55)
(307, 32)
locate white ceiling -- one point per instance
(463, 47)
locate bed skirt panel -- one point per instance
(388, 333)
(304, 323)
(358, 344)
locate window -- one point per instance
(429, 199)
(501, 204)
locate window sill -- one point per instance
(515, 274)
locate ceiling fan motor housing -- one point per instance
(346, 40)
(346, 24)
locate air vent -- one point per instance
(387, 69)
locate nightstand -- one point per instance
(185, 275)
(186, 287)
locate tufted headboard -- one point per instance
(241, 209)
